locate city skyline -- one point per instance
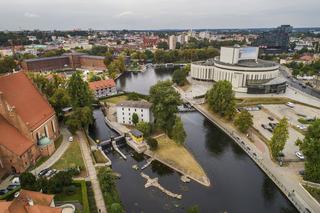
(152, 15)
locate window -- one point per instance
(122, 109)
(135, 110)
(123, 113)
(141, 119)
(141, 110)
(129, 109)
(53, 126)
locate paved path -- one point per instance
(57, 154)
(92, 173)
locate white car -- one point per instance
(299, 155)
(70, 139)
(50, 172)
(302, 127)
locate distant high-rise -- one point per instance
(172, 42)
(274, 41)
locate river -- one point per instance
(238, 184)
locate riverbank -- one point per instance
(292, 188)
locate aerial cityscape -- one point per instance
(159, 106)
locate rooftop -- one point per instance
(135, 104)
(102, 84)
(243, 63)
(19, 91)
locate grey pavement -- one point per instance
(92, 173)
(57, 154)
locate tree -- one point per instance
(108, 59)
(80, 117)
(165, 102)
(279, 137)
(153, 143)
(221, 99)
(28, 181)
(79, 91)
(145, 128)
(107, 179)
(59, 100)
(178, 133)
(179, 77)
(310, 147)
(116, 208)
(135, 118)
(243, 121)
(59, 181)
(163, 45)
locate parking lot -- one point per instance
(292, 114)
(261, 117)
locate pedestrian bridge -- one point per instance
(109, 141)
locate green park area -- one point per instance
(178, 157)
(71, 158)
(116, 99)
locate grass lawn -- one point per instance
(58, 141)
(98, 156)
(77, 195)
(255, 101)
(117, 99)
(178, 156)
(71, 158)
(313, 191)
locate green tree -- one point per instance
(310, 147)
(165, 102)
(153, 143)
(135, 118)
(179, 77)
(163, 45)
(107, 179)
(108, 59)
(28, 181)
(145, 128)
(81, 117)
(221, 99)
(116, 208)
(59, 181)
(243, 121)
(279, 137)
(178, 133)
(59, 100)
(79, 91)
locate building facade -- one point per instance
(172, 42)
(103, 88)
(126, 109)
(28, 124)
(66, 61)
(241, 67)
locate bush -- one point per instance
(153, 143)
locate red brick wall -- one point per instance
(89, 62)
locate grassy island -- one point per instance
(179, 158)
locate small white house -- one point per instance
(126, 109)
(103, 88)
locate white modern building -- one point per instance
(172, 42)
(126, 109)
(241, 67)
(103, 88)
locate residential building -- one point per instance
(126, 109)
(30, 202)
(172, 42)
(103, 88)
(28, 124)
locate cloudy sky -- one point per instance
(156, 14)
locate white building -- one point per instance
(103, 88)
(126, 109)
(172, 42)
(242, 68)
(181, 39)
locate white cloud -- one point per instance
(31, 15)
(125, 13)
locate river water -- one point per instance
(238, 185)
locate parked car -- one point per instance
(15, 180)
(302, 127)
(43, 172)
(12, 187)
(70, 139)
(289, 104)
(51, 172)
(270, 130)
(301, 172)
(271, 118)
(3, 191)
(299, 155)
(273, 125)
(264, 126)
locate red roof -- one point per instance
(12, 139)
(102, 84)
(19, 91)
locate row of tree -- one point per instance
(304, 69)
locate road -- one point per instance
(297, 84)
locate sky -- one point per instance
(156, 14)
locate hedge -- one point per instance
(85, 201)
(8, 194)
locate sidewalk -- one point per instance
(57, 154)
(92, 173)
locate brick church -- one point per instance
(28, 124)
